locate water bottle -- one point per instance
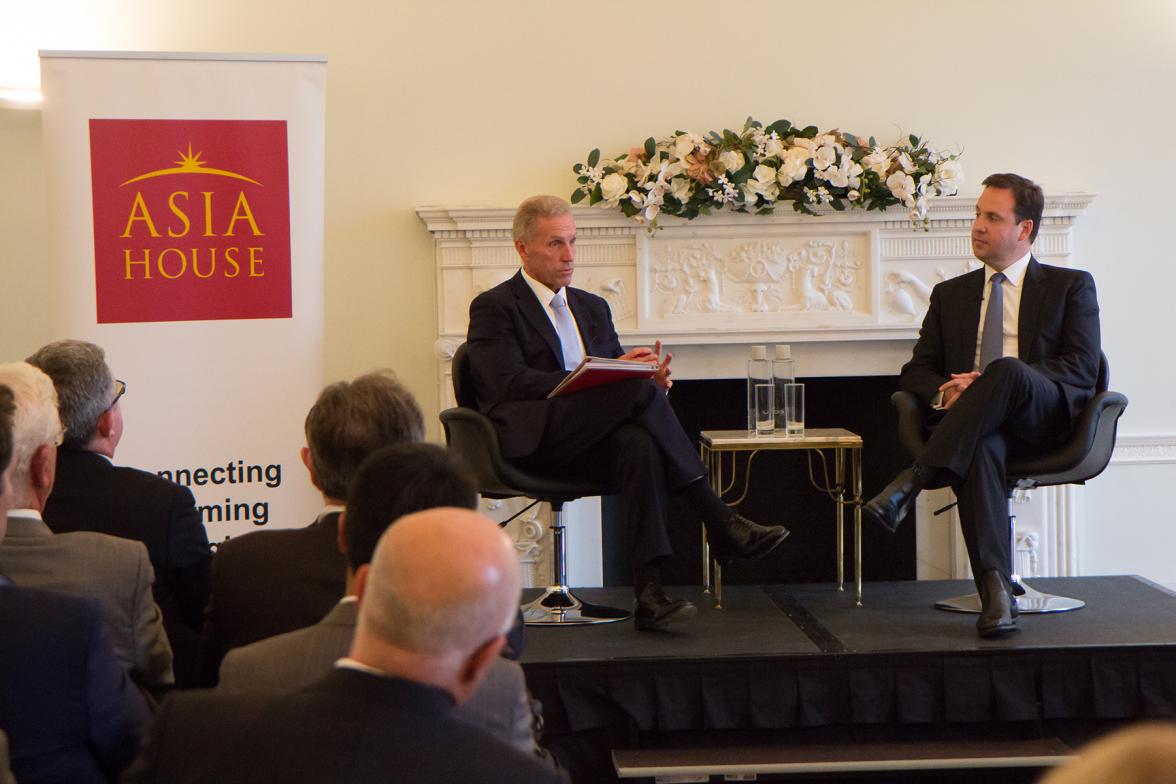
(783, 372)
(759, 371)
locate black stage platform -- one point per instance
(802, 657)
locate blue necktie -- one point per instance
(992, 342)
(569, 338)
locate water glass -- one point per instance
(793, 410)
(765, 408)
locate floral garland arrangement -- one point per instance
(687, 175)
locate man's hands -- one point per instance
(951, 390)
(647, 354)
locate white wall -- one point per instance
(466, 102)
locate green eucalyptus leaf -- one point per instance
(578, 196)
(650, 148)
(594, 157)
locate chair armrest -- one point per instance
(1085, 453)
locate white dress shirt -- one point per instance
(1011, 288)
(544, 295)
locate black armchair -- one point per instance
(1082, 457)
(472, 436)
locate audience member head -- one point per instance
(1141, 754)
(436, 601)
(352, 419)
(7, 410)
(87, 394)
(1028, 199)
(395, 481)
(36, 432)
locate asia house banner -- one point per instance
(186, 239)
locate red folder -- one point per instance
(594, 371)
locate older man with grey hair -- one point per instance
(116, 572)
(93, 494)
(525, 335)
(434, 607)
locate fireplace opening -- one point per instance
(780, 491)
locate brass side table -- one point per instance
(843, 444)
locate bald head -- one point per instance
(442, 583)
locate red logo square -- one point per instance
(191, 220)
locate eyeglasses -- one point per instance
(120, 389)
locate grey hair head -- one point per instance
(533, 209)
(35, 422)
(85, 386)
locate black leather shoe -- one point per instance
(897, 499)
(997, 607)
(739, 537)
(655, 610)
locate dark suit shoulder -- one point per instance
(263, 543)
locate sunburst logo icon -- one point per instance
(190, 163)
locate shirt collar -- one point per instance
(330, 509)
(542, 293)
(1015, 272)
(347, 663)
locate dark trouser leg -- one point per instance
(578, 422)
(1008, 397)
(628, 458)
(984, 514)
(1010, 408)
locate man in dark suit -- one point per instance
(434, 607)
(1006, 358)
(524, 336)
(393, 482)
(271, 582)
(91, 493)
(69, 710)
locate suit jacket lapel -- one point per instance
(529, 306)
(584, 319)
(1032, 292)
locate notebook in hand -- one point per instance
(594, 371)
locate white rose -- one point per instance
(794, 167)
(800, 141)
(853, 196)
(773, 147)
(613, 187)
(825, 156)
(683, 145)
(681, 188)
(837, 177)
(763, 183)
(731, 161)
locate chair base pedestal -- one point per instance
(558, 606)
(1028, 603)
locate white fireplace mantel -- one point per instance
(846, 290)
